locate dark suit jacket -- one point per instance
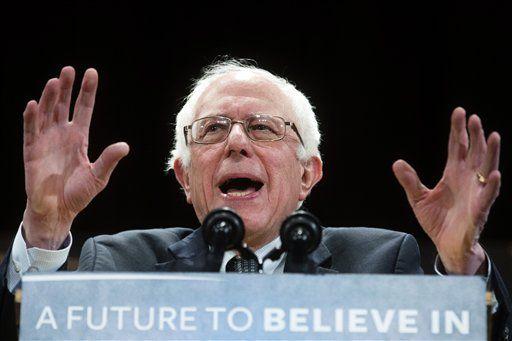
(343, 250)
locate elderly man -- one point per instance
(246, 139)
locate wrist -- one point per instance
(44, 231)
(470, 262)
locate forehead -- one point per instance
(241, 93)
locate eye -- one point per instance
(260, 127)
(213, 128)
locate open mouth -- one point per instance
(240, 187)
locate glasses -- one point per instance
(258, 127)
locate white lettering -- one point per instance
(231, 318)
(162, 318)
(120, 315)
(72, 317)
(381, 325)
(407, 321)
(273, 320)
(151, 319)
(46, 317)
(90, 319)
(185, 318)
(317, 322)
(298, 320)
(338, 320)
(357, 320)
(451, 319)
(215, 311)
(434, 324)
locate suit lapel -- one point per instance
(321, 258)
(187, 255)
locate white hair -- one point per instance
(305, 119)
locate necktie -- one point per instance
(241, 265)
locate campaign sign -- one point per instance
(247, 306)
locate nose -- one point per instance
(237, 141)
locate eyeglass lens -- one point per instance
(258, 127)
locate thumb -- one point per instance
(108, 160)
(408, 178)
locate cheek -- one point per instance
(203, 164)
(284, 171)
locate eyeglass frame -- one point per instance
(292, 125)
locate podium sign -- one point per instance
(247, 306)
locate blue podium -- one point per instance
(167, 306)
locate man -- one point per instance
(248, 140)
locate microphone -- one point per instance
(300, 233)
(223, 230)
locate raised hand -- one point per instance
(455, 211)
(59, 178)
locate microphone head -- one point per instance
(223, 224)
(301, 232)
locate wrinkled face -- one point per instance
(262, 181)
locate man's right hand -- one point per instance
(60, 181)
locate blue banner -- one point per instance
(247, 306)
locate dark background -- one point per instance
(383, 77)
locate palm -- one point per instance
(455, 211)
(449, 212)
(59, 178)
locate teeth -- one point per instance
(240, 193)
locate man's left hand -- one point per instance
(455, 211)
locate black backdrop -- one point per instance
(383, 77)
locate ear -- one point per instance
(181, 174)
(312, 173)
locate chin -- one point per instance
(253, 218)
(255, 223)
(254, 212)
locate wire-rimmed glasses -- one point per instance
(258, 127)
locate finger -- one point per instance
(492, 158)
(67, 77)
(108, 160)
(408, 178)
(491, 190)
(477, 145)
(85, 102)
(458, 141)
(47, 102)
(30, 123)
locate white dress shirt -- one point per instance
(33, 259)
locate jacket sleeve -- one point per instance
(408, 259)
(96, 256)
(502, 319)
(8, 327)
